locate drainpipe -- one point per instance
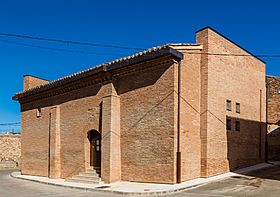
(178, 154)
(266, 112)
(49, 152)
(260, 137)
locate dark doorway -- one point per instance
(94, 138)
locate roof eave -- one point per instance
(104, 68)
(146, 57)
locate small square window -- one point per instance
(228, 105)
(237, 125)
(38, 112)
(237, 107)
(228, 124)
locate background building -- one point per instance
(273, 117)
(9, 150)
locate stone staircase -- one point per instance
(90, 176)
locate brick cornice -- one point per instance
(100, 78)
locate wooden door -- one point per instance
(95, 148)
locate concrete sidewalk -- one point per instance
(131, 188)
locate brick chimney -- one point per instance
(31, 82)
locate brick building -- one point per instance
(165, 115)
(273, 117)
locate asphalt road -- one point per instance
(12, 187)
(261, 183)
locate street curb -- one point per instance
(158, 193)
(147, 193)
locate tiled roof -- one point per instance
(122, 62)
(275, 77)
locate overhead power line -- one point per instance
(104, 45)
(228, 54)
(70, 42)
(57, 49)
(121, 54)
(10, 124)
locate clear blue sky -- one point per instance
(252, 24)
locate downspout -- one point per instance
(266, 114)
(49, 152)
(260, 135)
(178, 154)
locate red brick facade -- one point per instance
(135, 104)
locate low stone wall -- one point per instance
(10, 150)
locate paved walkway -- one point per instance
(139, 188)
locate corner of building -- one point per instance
(30, 82)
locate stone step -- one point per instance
(93, 178)
(89, 174)
(93, 171)
(87, 181)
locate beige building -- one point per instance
(165, 115)
(9, 150)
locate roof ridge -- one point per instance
(272, 76)
(102, 65)
(107, 63)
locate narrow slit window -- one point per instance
(237, 107)
(237, 125)
(228, 123)
(38, 112)
(228, 105)
(278, 90)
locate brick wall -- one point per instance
(10, 150)
(190, 141)
(273, 117)
(144, 123)
(79, 113)
(273, 107)
(148, 125)
(30, 82)
(240, 79)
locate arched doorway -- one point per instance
(94, 138)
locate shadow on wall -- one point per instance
(247, 147)
(123, 84)
(273, 139)
(245, 142)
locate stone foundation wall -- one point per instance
(10, 150)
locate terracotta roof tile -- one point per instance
(147, 54)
